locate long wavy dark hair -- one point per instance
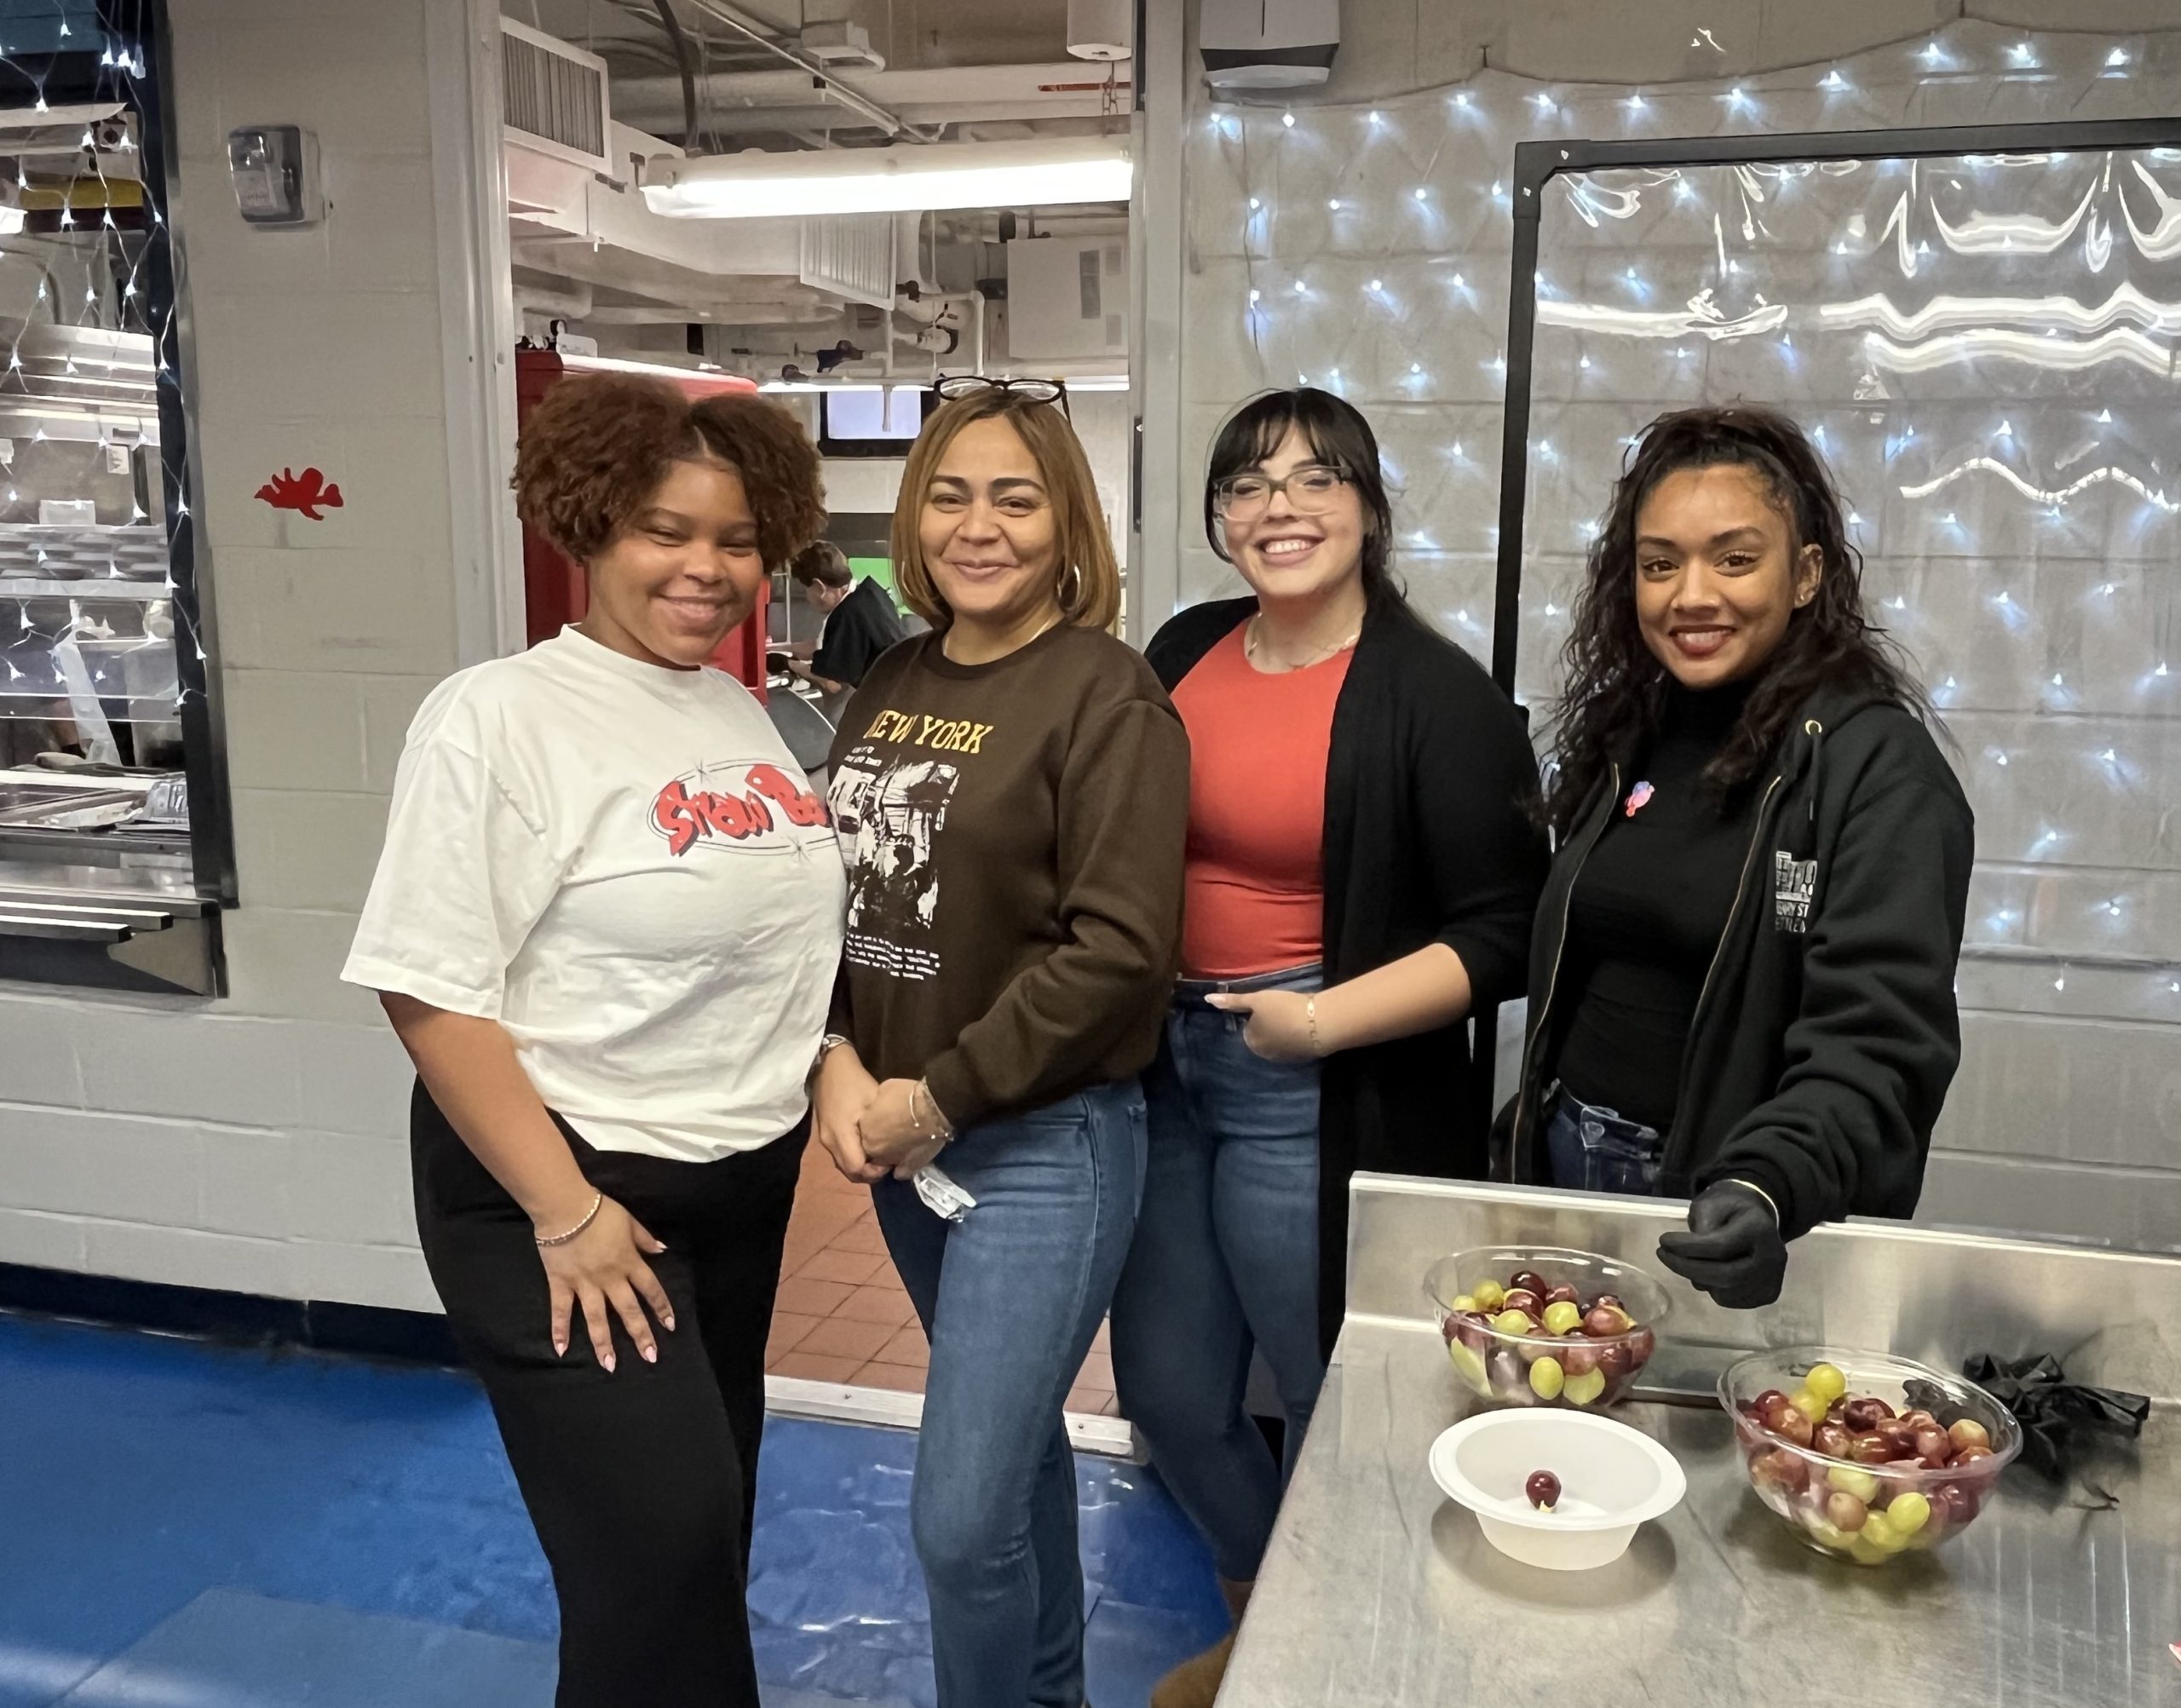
(1340, 438)
(1615, 689)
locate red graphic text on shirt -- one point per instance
(749, 810)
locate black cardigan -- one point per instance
(1428, 838)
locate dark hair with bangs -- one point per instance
(1339, 437)
(1616, 689)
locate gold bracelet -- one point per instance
(1310, 1014)
(597, 1203)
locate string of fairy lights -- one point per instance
(1985, 349)
(138, 353)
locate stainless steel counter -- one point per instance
(1379, 1591)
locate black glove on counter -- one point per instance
(1732, 1249)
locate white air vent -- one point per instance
(553, 98)
(850, 256)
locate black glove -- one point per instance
(1732, 1249)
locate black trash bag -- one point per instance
(2052, 1410)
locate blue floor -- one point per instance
(182, 1524)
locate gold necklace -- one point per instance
(1250, 647)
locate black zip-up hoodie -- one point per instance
(1826, 1033)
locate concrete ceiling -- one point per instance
(948, 64)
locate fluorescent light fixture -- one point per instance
(753, 184)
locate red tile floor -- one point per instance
(842, 1315)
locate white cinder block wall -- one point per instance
(2066, 1116)
(257, 1143)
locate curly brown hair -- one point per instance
(596, 447)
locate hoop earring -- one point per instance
(1075, 593)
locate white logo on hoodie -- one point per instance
(1794, 887)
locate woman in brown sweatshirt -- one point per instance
(1012, 794)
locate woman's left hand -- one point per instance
(892, 1133)
(1277, 1024)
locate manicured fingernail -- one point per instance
(650, 1355)
(608, 1362)
(668, 1321)
(560, 1348)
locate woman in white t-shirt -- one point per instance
(606, 925)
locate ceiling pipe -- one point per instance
(848, 96)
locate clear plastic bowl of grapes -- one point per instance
(1542, 1325)
(1869, 1457)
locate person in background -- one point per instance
(1742, 977)
(858, 619)
(1363, 857)
(605, 926)
(1011, 792)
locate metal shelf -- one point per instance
(104, 587)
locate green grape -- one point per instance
(1563, 1318)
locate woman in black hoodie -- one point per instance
(1742, 982)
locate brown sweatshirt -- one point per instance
(1014, 836)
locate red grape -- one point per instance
(1791, 1471)
(1604, 1321)
(1770, 1398)
(1967, 1432)
(1831, 1440)
(1543, 1489)
(1866, 1414)
(1845, 1510)
(1932, 1445)
(1563, 1295)
(1530, 1281)
(1524, 1299)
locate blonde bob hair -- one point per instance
(1088, 581)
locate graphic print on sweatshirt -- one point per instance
(741, 805)
(888, 811)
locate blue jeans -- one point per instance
(1595, 1150)
(1011, 1297)
(1225, 1260)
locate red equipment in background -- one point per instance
(555, 593)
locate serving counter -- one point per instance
(1378, 1591)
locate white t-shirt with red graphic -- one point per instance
(620, 864)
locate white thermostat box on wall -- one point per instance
(1268, 44)
(1067, 298)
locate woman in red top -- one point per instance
(1361, 871)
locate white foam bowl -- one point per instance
(1613, 1479)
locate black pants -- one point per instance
(639, 1482)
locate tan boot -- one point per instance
(1195, 1682)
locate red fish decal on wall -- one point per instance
(310, 493)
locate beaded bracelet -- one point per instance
(940, 1124)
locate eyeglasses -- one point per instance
(1245, 498)
(952, 387)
